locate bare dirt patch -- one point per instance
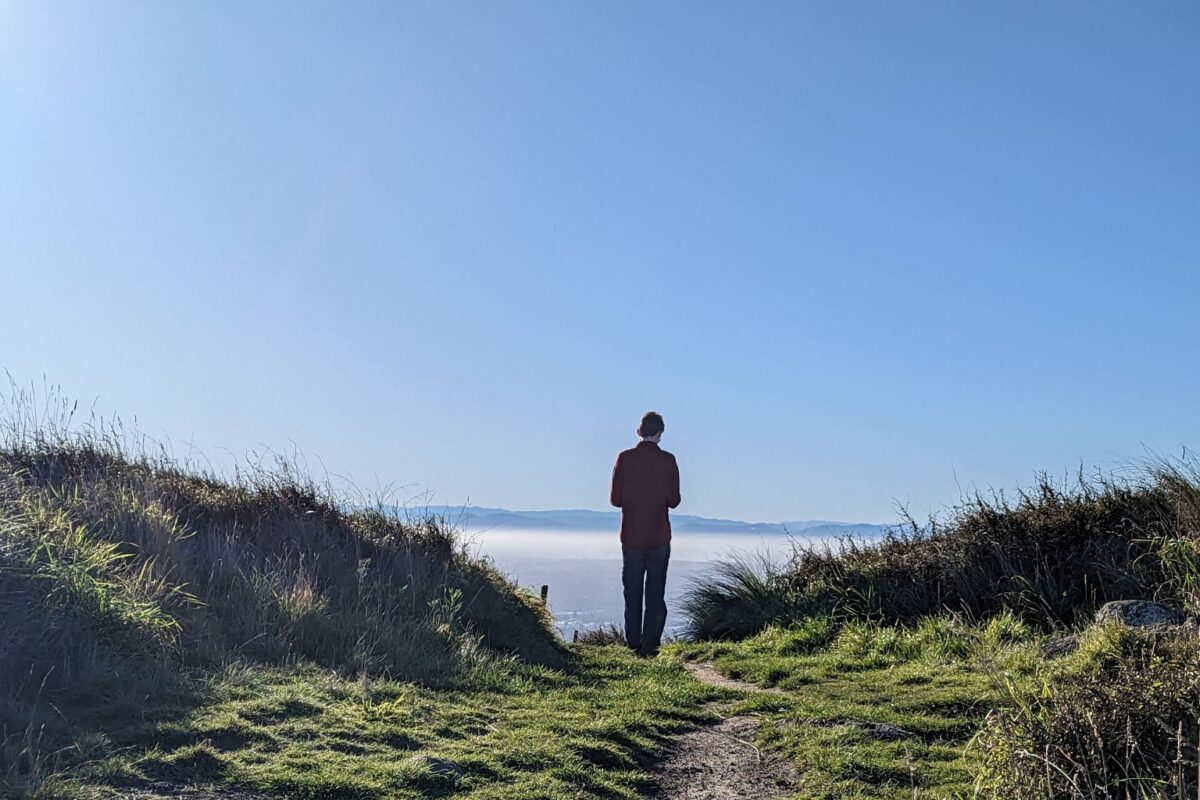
(721, 761)
(168, 791)
(708, 674)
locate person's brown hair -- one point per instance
(652, 423)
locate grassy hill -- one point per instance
(164, 628)
(974, 636)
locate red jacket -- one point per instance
(645, 483)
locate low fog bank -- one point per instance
(583, 569)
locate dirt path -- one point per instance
(706, 673)
(721, 762)
(168, 791)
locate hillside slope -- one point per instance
(161, 628)
(966, 658)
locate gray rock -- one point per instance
(1060, 646)
(1137, 613)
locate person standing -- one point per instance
(645, 484)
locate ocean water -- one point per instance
(583, 569)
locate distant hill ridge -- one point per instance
(485, 518)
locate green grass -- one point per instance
(258, 631)
(936, 681)
(1118, 718)
(125, 583)
(587, 731)
(1122, 726)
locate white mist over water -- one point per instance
(583, 569)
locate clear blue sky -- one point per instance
(854, 252)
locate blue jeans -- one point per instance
(644, 574)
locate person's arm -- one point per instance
(673, 490)
(615, 494)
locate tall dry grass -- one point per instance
(1051, 554)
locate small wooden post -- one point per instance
(545, 592)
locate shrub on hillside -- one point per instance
(737, 597)
(272, 570)
(1051, 555)
(1119, 719)
(601, 636)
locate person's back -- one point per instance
(645, 484)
